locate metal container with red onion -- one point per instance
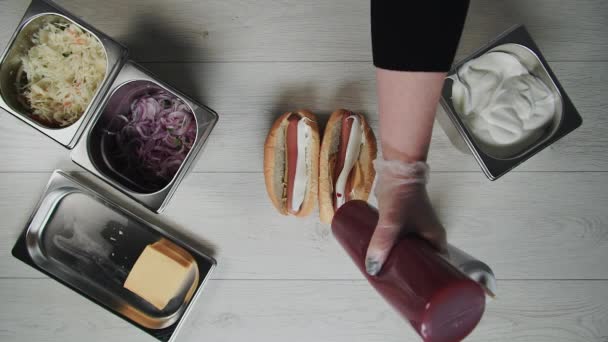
(144, 152)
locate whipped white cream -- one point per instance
(300, 181)
(352, 154)
(500, 101)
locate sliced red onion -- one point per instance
(155, 137)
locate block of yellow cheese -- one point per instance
(162, 272)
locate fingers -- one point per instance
(385, 237)
(403, 203)
(380, 246)
(419, 217)
(427, 224)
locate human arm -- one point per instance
(412, 58)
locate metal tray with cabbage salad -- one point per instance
(55, 70)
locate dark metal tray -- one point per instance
(89, 244)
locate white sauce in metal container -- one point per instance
(500, 101)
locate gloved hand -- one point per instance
(403, 207)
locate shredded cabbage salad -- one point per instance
(60, 73)
(149, 144)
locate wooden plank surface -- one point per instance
(528, 226)
(248, 310)
(317, 30)
(543, 228)
(249, 96)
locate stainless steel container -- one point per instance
(124, 80)
(496, 161)
(131, 82)
(90, 244)
(37, 14)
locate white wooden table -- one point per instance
(543, 227)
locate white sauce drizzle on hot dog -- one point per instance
(300, 181)
(352, 154)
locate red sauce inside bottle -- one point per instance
(439, 301)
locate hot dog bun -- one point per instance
(362, 174)
(276, 162)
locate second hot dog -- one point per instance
(346, 169)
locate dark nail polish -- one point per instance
(372, 266)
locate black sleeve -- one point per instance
(417, 35)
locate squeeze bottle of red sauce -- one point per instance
(439, 301)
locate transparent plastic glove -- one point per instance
(403, 207)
